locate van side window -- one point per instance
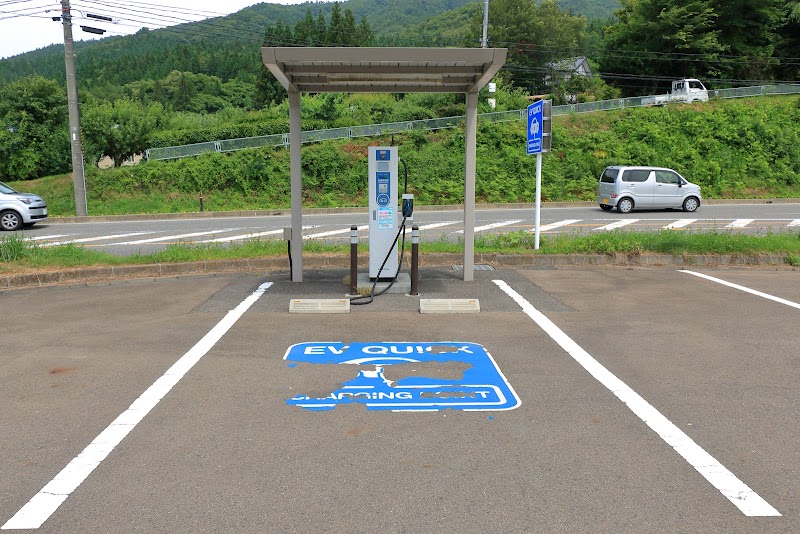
(635, 175)
(666, 177)
(609, 176)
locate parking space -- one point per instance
(224, 450)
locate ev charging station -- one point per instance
(382, 70)
(383, 225)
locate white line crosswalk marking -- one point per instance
(680, 223)
(179, 236)
(334, 232)
(553, 226)
(494, 225)
(42, 237)
(795, 222)
(437, 225)
(617, 224)
(92, 239)
(739, 223)
(249, 236)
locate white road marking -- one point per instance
(436, 225)
(795, 222)
(494, 225)
(90, 239)
(55, 492)
(617, 224)
(744, 498)
(241, 237)
(680, 223)
(739, 223)
(40, 237)
(180, 236)
(250, 236)
(745, 289)
(553, 226)
(334, 232)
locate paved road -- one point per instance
(602, 360)
(129, 237)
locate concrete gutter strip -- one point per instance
(260, 265)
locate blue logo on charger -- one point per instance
(432, 376)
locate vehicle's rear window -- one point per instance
(632, 175)
(609, 176)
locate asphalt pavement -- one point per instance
(578, 399)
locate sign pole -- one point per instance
(538, 209)
(538, 141)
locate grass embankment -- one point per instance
(17, 255)
(748, 148)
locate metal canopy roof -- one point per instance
(383, 70)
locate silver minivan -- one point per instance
(628, 188)
(18, 209)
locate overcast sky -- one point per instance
(27, 24)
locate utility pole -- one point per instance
(78, 177)
(485, 39)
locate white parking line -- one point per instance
(91, 239)
(55, 492)
(179, 236)
(553, 226)
(494, 225)
(745, 289)
(617, 224)
(795, 222)
(739, 223)
(744, 498)
(334, 232)
(680, 223)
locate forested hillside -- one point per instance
(226, 47)
(204, 81)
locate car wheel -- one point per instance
(605, 207)
(625, 205)
(10, 220)
(690, 204)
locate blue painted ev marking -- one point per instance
(481, 387)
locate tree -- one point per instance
(749, 31)
(34, 133)
(788, 49)
(534, 33)
(364, 34)
(305, 31)
(663, 38)
(120, 129)
(336, 31)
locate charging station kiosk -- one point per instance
(383, 225)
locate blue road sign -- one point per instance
(480, 387)
(535, 128)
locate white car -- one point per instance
(628, 188)
(18, 209)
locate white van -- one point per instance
(628, 188)
(17, 209)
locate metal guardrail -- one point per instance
(311, 136)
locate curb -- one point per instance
(162, 270)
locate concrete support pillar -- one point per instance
(296, 174)
(470, 141)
